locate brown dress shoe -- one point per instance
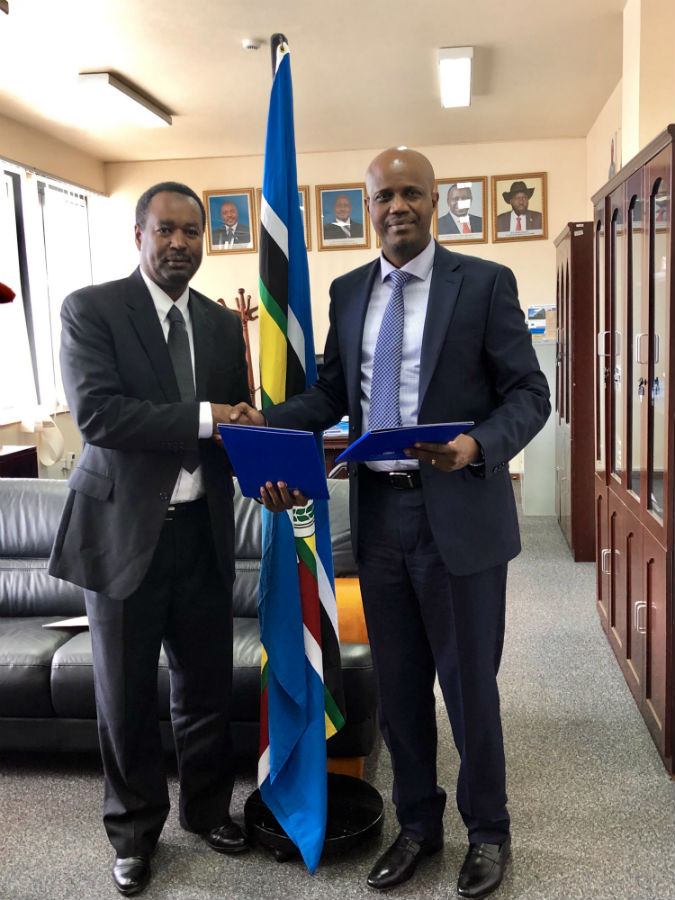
(131, 874)
(483, 869)
(228, 838)
(399, 862)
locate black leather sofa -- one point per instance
(46, 679)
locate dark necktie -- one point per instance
(385, 388)
(179, 351)
(346, 230)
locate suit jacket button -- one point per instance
(163, 496)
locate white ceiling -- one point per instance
(364, 71)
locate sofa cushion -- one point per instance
(26, 651)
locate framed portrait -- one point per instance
(230, 221)
(461, 215)
(303, 203)
(341, 217)
(519, 207)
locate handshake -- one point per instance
(241, 414)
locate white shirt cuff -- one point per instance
(205, 420)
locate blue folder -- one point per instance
(389, 443)
(263, 454)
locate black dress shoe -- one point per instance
(400, 861)
(228, 838)
(131, 874)
(483, 869)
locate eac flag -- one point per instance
(301, 690)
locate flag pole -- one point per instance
(275, 40)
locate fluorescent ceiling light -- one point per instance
(112, 101)
(454, 69)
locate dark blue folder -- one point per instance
(263, 454)
(389, 443)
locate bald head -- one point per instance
(401, 200)
(397, 159)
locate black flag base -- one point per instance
(355, 814)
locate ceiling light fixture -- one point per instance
(117, 101)
(454, 69)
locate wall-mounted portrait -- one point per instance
(519, 207)
(461, 215)
(230, 221)
(341, 217)
(303, 203)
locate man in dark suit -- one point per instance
(149, 367)
(521, 217)
(232, 232)
(343, 226)
(432, 534)
(459, 220)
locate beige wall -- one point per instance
(598, 145)
(648, 72)
(36, 150)
(222, 275)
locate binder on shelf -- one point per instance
(260, 454)
(389, 443)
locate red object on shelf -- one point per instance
(6, 293)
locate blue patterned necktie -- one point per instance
(385, 411)
(178, 343)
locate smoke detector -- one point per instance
(251, 44)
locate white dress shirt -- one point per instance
(415, 302)
(189, 485)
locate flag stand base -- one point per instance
(355, 814)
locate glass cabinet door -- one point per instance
(602, 338)
(659, 350)
(617, 311)
(637, 341)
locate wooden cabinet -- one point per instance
(634, 306)
(574, 438)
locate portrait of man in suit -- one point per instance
(461, 222)
(230, 221)
(520, 221)
(341, 218)
(150, 367)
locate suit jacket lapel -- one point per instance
(144, 319)
(446, 280)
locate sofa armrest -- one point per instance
(351, 620)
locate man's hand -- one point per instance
(447, 457)
(220, 413)
(243, 414)
(277, 498)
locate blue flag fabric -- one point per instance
(292, 774)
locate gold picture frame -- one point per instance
(506, 191)
(226, 209)
(345, 203)
(462, 205)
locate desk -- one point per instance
(18, 462)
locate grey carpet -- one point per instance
(593, 810)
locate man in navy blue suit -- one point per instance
(433, 533)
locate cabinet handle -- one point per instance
(657, 347)
(641, 607)
(605, 556)
(602, 343)
(638, 347)
(617, 343)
